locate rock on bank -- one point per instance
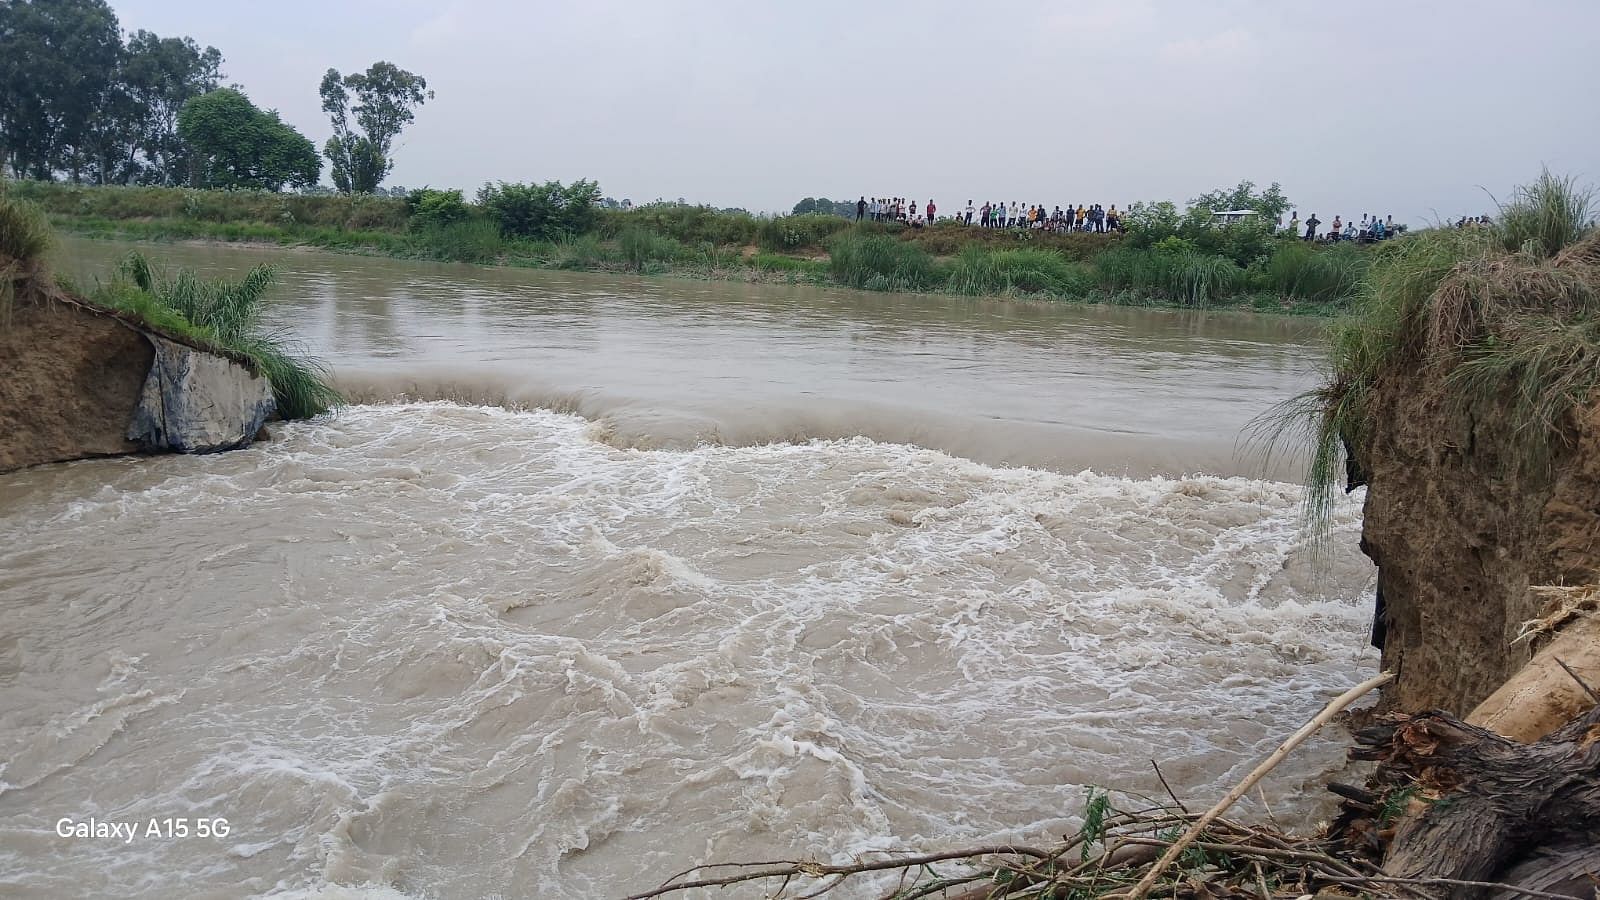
(80, 381)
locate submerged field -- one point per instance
(1232, 268)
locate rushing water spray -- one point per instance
(452, 649)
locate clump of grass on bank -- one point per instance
(788, 234)
(1180, 275)
(25, 238)
(225, 314)
(878, 262)
(978, 271)
(1510, 315)
(640, 248)
(1315, 275)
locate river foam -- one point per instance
(449, 650)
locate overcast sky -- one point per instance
(1403, 108)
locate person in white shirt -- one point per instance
(970, 210)
(1011, 216)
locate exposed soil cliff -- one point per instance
(72, 379)
(1461, 527)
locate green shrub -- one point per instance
(687, 224)
(1176, 274)
(1545, 216)
(544, 212)
(435, 209)
(879, 262)
(25, 232)
(580, 252)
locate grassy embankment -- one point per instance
(1267, 274)
(1510, 311)
(222, 314)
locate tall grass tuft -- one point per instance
(580, 252)
(1184, 276)
(226, 314)
(1509, 319)
(879, 263)
(786, 234)
(641, 247)
(468, 240)
(1545, 216)
(25, 237)
(979, 271)
(1317, 275)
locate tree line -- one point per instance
(81, 101)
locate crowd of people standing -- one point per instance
(1371, 228)
(1095, 218)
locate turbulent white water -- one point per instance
(757, 576)
(455, 651)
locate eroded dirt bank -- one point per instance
(1462, 524)
(72, 379)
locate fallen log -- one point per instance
(1559, 683)
(1486, 808)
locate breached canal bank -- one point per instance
(83, 381)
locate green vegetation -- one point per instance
(542, 212)
(223, 314)
(1509, 314)
(791, 234)
(1023, 270)
(552, 225)
(25, 236)
(877, 262)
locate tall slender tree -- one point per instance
(160, 75)
(386, 99)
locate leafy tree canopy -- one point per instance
(237, 145)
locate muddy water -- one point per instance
(653, 572)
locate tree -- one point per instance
(543, 212)
(386, 99)
(160, 75)
(58, 61)
(236, 145)
(1270, 203)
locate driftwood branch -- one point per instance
(1338, 704)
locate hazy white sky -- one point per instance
(1402, 108)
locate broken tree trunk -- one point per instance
(1558, 684)
(1492, 809)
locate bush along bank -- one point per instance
(1240, 266)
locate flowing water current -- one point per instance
(604, 577)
